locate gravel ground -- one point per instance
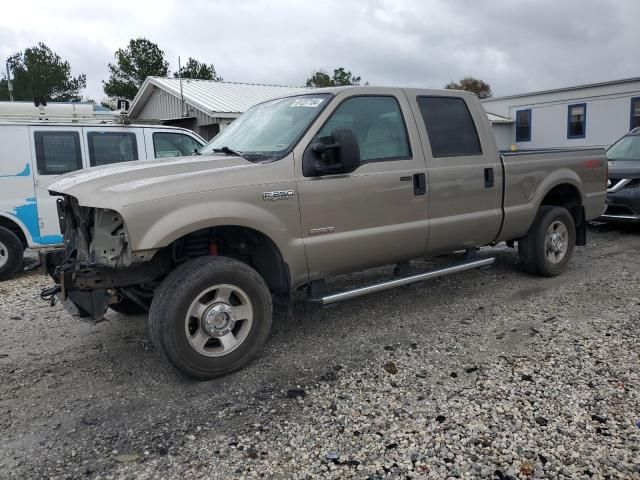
(487, 374)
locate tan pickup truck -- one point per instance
(299, 189)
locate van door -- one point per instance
(17, 199)
(163, 143)
(105, 146)
(465, 174)
(55, 151)
(377, 214)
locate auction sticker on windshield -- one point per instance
(307, 102)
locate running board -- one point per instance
(399, 282)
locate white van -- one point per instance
(34, 154)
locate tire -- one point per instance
(127, 307)
(549, 244)
(11, 254)
(210, 316)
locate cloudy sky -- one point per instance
(516, 46)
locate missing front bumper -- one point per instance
(87, 305)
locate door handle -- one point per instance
(488, 177)
(419, 184)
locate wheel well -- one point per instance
(15, 228)
(569, 197)
(241, 243)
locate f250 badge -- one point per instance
(279, 195)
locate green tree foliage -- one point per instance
(199, 70)
(340, 77)
(470, 84)
(40, 72)
(141, 59)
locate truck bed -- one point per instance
(530, 174)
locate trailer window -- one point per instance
(577, 121)
(523, 125)
(635, 113)
(111, 147)
(167, 144)
(450, 127)
(57, 152)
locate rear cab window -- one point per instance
(111, 147)
(173, 144)
(450, 127)
(57, 152)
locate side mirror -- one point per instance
(342, 155)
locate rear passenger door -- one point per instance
(163, 143)
(56, 151)
(465, 173)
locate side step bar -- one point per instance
(398, 282)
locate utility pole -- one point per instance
(183, 113)
(9, 84)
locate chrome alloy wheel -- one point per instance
(218, 320)
(4, 255)
(556, 242)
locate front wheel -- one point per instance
(11, 254)
(548, 246)
(210, 316)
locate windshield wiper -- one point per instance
(228, 151)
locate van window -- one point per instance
(167, 144)
(451, 130)
(57, 152)
(111, 147)
(377, 123)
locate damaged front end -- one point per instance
(96, 263)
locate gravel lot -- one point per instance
(487, 374)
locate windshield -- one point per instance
(269, 129)
(627, 148)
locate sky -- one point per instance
(516, 46)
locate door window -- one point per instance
(57, 152)
(450, 127)
(174, 144)
(377, 123)
(111, 147)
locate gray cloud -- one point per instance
(515, 46)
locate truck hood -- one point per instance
(119, 185)
(624, 169)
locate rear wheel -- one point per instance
(11, 254)
(210, 316)
(548, 246)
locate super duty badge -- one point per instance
(279, 195)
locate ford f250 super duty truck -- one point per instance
(299, 189)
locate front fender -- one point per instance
(154, 225)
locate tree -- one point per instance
(40, 72)
(340, 77)
(141, 59)
(470, 84)
(195, 69)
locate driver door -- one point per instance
(377, 214)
